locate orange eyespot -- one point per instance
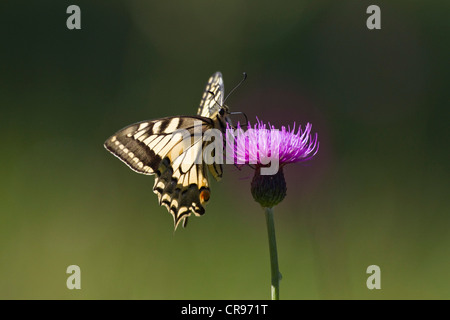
(204, 196)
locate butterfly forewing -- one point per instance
(213, 95)
(132, 145)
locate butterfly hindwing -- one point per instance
(182, 194)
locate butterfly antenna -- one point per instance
(237, 86)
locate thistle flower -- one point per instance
(269, 150)
(263, 143)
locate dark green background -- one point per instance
(376, 193)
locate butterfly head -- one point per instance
(224, 111)
(223, 116)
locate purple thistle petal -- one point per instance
(262, 143)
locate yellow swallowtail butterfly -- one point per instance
(151, 147)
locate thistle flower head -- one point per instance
(269, 149)
(263, 143)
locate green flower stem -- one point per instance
(275, 273)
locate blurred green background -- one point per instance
(376, 193)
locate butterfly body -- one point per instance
(171, 148)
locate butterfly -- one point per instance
(154, 147)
